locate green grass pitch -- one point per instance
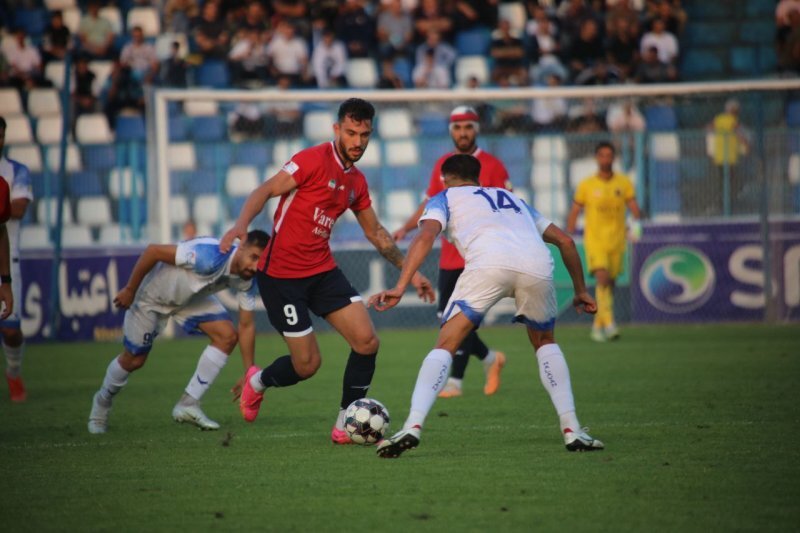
(700, 423)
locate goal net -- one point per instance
(716, 168)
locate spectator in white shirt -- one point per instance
(140, 56)
(248, 58)
(24, 61)
(444, 55)
(430, 75)
(329, 60)
(664, 41)
(288, 53)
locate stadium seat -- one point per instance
(282, 151)
(258, 154)
(548, 175)
(130, 128)
(372, 156)
(403, 177)
(660, 118)
(241, 180)
(164, 45)
(665, 146)
(200, 108)
(756, 31)
(200, 182)
(76, 236)
(112, 14)
(432, 125)
(403, 68)
(93, 128)
(46, 211)
(744, 60)
(147, 18)
(84, 183)
(100, 157)
(33, 21)
(34, 236)
(549, 148)
(48, 129)
(120, 182)
(401, 152)
(395, 124)
(711, 33)
(181, 156)
(27, 154)
(553, 205)
(399, 206)
(214, 156)
(515, 149)
(207, 208)
(110, 234)
(102, 71)
(209, 129)
(701, 64)
(473, 42)
(793, 114)
(10, 102)
(72, 160)
(177, 129)
(94, 211)
(43, 102)
(318, 125)
(469, 66)
(54, 73)
(519, 173)
(361, 73)
(72, 19)
(580, 169)
(53, 5)
(18, 130)
(212, 73)
(794, 169)
(178, 209)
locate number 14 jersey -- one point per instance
(492, 228)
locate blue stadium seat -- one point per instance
(130, 128)
(519, 173)
(793, 114)
(744, 60)
(123, 212)
(200, 182)
(473, 42)
(432, 124)
(432, 149)
(209, 128)
(212, 73)
(37, 183)
(99, 157)
(712, 33)
(660, 118)
(33, 21)
(767, 58)
(213, 155)
(412, 177)
(665, 201)
(85, 183)
(759, 8)
(757, 31)
(511, 149)
(709, 10)
(177, 129)
(403, 68)
(258, 154)
(664, 174)
(699, 63)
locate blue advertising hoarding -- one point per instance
(715, 272)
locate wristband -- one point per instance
(5, 278)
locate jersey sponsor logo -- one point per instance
(324, 223)
(677, 279)
(332, 184)
(290, 167)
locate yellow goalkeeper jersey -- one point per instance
(604, 203)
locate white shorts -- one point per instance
(13, 320)
(478, 290)
(144, 322)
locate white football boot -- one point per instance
(580, 441)
(401, 441)
(193, 415)
(98, 417)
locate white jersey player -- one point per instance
(179, 281)
(19, 183)
(503, 241)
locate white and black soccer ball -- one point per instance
(366, 421)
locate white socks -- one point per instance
(255, 382)
(13, 359)
(554, 373)
(430, 381)
(208, 367)
(340, 419)
(116, 377)
(489, 360)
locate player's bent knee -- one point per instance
(367, 346)
(226, 341)
(131, 362)
(12, 337)
(306, 369)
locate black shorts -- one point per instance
(288, 301)
(447, 282)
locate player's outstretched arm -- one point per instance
(410, 224)
(417, 252)
(247, 346)
(279, 184)
(6, 296)
(154, 253)
(384, 243)
(582, 300)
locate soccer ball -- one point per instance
(366, 421)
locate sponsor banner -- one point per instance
(713, 272)
(88, 281)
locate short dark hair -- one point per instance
(605, 144)
(257, 238)
(2, 123)
(357, 109)
(462, 166)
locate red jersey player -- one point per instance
(464, 132)
(297, 273)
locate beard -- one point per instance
(346, 155)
